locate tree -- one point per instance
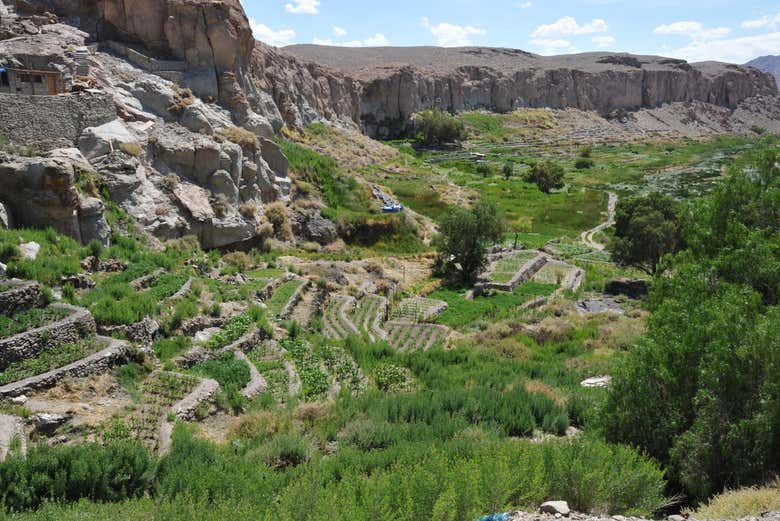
(547, 175)
(700, 391)
(508, 171)
(464, 236)
(646, 229)
(436, 127)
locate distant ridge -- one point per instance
(770, 64)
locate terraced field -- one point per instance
(370, 315)
(157, 393)
(271, 364)
(336, 317)
(506, 268)
(282, 295)
(409, 336)
(418, 309)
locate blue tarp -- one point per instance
(2, 69)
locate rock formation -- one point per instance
(40, 192)
(397, 82)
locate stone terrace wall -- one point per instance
(99, 362)
(24, 296)
(49, 122)
(33, 342)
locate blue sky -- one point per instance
(696, 30)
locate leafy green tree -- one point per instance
(464, 236)
(646, 229)
(700, 391)
(547, 175)
(436, 127)
(508, 171)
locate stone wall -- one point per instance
(23, 296)
(49, 122)
(33, 342)
(115, 352)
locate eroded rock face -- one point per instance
(39, 192)
(398, 82)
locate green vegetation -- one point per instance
(113, 472)
(47, 360)
(238, 326)
(282, 296)
(464, 237)
(30, 319)
(700, 392)
(436, 127)
(547, 175)
(646, 229)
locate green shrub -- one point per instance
(583, 163)
(283, 451)
(436, 127)
(114, 472)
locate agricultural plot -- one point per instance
(506, 268)
(336, 317)
(369, 316)
(58, 356)
(409, 336)
(282, 295)
(157, 393)
(271, 364)
(418, 309)
(31, 319)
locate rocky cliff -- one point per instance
(396, 82)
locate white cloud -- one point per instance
(303, 7)
(734, 50)
(548, 46)
(378, 40)
(265, 34)
(568, 26)
(450, 35)
(526, 5)
(338, 31)
(603, 42)
(694, 30)
(763, 22)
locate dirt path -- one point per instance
(11, 428)
(588, 236)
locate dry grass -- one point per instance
(258, 425)
(132, 149)
(277, 215)
(182, 99)
(539, 387)
(242, 137)
(736, 504)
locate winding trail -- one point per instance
(588, 236)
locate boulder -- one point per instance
(92, 221)
(274, 157)
(3, 269)
(597, 381)
(143, 332)
(220, 182)
(47, 423)
(258, 125)
(195, 200)
(99, 141)
(555, 507)
(29, 250)
(312, 226)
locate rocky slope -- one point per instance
(770, 64)
(400, 81)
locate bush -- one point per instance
(283, 451)
(277, 215)
(238, 260)
(547, 175)
(436, 127)
(114, 472)
(583, 163)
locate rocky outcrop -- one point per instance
(41, 192)
(397, 82)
